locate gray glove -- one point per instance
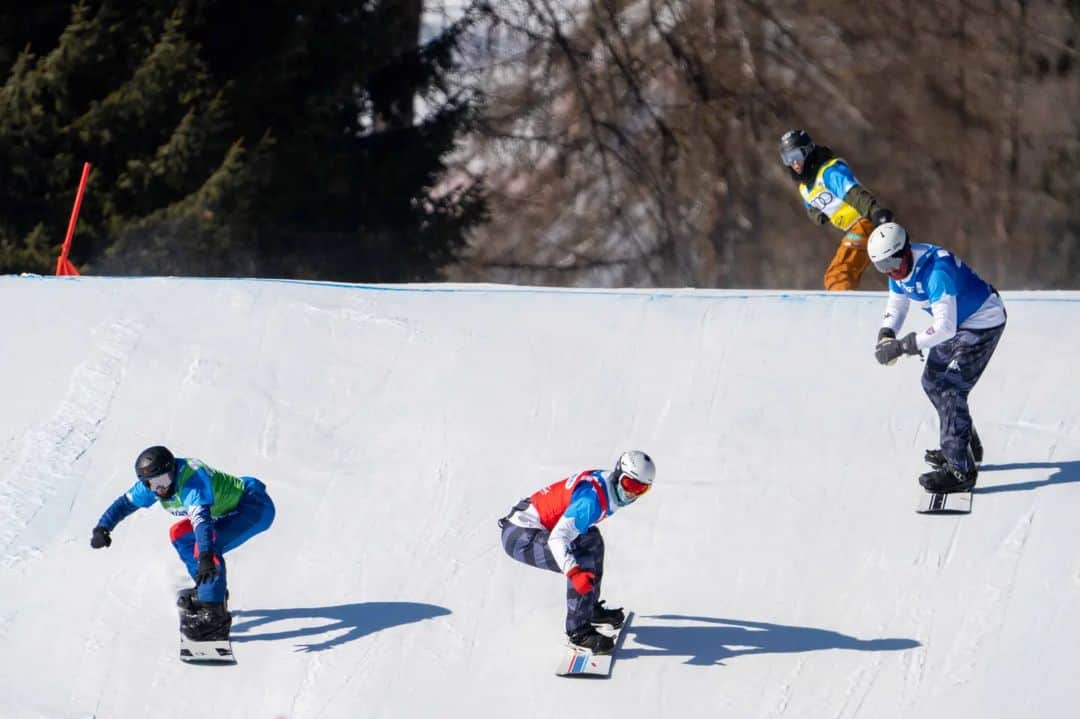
(889, 348)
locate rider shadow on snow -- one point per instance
(1066, 472)
(729, 638)
(356, 620)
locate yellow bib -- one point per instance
(840, 213)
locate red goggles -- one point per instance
(632, 486)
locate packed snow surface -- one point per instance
(777, 569)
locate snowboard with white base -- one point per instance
(579, 662)
(208, 652)
(944, 503)
(213, 652)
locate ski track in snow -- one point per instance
(983, 621)
(356, 669)
(780, 704)
(859, 685)
(389, 462)
(946, 557)
(268, 437)
(914, 661)
(43, 470)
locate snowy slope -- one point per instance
(777, 569)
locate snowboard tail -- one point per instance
(944, 503)
(210, 652)
(579, 662)
(582, 662)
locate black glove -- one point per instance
(880, 216)
(101, 538)
(884, 336)
(207, 570)
(888, 349)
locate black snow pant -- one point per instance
(531, 547)
(952, 369)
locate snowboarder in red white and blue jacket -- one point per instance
(555, 529)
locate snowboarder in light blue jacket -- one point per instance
(968, 321)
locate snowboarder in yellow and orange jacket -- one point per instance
(831, 194)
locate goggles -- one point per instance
(892, 262)
(157, 482)
(631, 486)
(794, 154)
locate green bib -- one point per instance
(226, 488)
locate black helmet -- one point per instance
(795, 145)
(153, 462)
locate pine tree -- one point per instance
(235, 138)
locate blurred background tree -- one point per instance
(561, 142)
(232, 138)
(634, 142)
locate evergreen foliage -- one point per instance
(231, 137)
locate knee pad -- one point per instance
(179, 529)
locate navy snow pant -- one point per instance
(531, 547)
(952, 369)
(253, 514)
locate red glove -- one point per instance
(583, 581)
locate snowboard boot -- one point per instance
(209, 622)
(948, 479)
(602, 615)
(188, 599)
(594, 641)
(936, 458)
(976, 446)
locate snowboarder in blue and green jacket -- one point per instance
(219, 513)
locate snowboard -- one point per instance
(217, 652)
(210, 652)
(578, 662)
(939, 503)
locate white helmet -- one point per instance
(887, 242)
(632, 477)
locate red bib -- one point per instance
(552, 501)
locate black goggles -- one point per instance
(157, 482)
(794, 154)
